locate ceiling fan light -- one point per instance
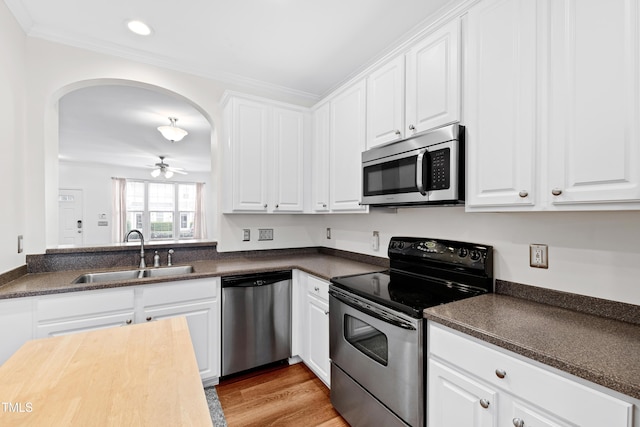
(155, 173)
(168, 174)
(172, 132)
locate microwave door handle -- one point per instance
(419, 172)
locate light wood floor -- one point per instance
(282, 396)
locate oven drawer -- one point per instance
(554, 393)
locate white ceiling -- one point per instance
(304, 46)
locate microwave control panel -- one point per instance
(440, 169)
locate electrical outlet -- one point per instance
(246, 235)
(538, 256)
(328, 233)
(265, 234)
(375, 241)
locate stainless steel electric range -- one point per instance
(377, 330)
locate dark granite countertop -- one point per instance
(601, 350)
(317, 264)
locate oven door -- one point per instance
(381, 350)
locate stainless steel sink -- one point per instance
(116, 276)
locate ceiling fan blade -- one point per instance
(182, 172)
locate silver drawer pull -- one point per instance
(317, 289)
(501, 373)
(517, 422)
(484, 403)
(556, 191)
(523, 194)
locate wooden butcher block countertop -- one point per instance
(137, 375)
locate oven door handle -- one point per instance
(372, 311)
(419, 172)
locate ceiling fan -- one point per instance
(164, 169)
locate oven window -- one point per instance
(370, 341)
(396, 176)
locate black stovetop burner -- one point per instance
(425, 273)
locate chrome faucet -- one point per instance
(126, 239)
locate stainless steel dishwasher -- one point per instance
(256, 320)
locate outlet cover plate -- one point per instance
(538, 256)
(246, 235)
(265, 234)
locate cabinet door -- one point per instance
(250, 156)
(500, 103)
(16, 325)
(320, 160)
(433, 80)
(385, 103)
(203, 325)
(594, 132)
(318, 338)
(288, 144)
(455, 399)
(347, 143)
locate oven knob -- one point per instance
(475, 255)
(463, 252)
(400, 245)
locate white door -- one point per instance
(320, 158)
(433, 80)
(70, 218)
(347, 129)
(500, 103)
(288, 143)
(318, 338)
(594, 132)
(385, 103)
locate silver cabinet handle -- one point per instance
(324, 205)
(517, 422)
(412, 127)
(277, 206)
(149, 318)
(129, 321)
(326, 312)
(556, 191)
(500, 373)
(484, 403)
(397, 132)
(317, 289)
(523, 194)
(265, 206)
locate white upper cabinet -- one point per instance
(433, 80)
(594, 102)
(264, 155)
(288, 176)
(552, 105)
(500, 103)
(347, 141)
(320, 158)
(385, 103)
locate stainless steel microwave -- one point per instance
(426, 169)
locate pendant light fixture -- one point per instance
(172, 132)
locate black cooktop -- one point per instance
(425, 273)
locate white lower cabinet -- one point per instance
(16, 325)
(84, 311)
(314, 318)
(198, 300)
(474, 384)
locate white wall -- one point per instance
(12, 123)
(95, 182)
(590, 253)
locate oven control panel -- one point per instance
(447, 252)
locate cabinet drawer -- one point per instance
(83, 304)
(318, 287)
(180, 291)
(559, 395)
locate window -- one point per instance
(161, 210)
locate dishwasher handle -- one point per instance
(255, 279)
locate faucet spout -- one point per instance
(126, 239)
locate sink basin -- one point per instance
(116, 276)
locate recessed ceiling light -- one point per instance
(139, 28)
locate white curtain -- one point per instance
(119, 209)
(200, 227)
